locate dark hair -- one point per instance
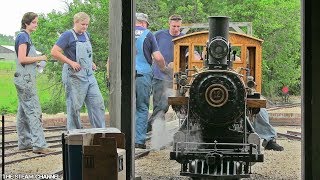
(27, 19)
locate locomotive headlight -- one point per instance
(218, 48)
(250, 82)
(183, 80)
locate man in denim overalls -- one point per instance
(77, 75)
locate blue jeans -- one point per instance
(161, 91)
(143, 90)
(263, 127)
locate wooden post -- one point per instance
(114, 59)
(121, 56)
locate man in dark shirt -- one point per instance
(162, 83)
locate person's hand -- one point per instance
(94, 66)
(75, 66)
(44, 58)
(170, 65)
(169, 70)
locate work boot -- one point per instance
(140, 146)
(149, 127)
(42, 151)
(272, 145)
(25, 148)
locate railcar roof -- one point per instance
(207, 32)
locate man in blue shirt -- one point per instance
(162, 83)
(146, 50)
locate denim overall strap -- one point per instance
(142, 65)
(84, 53)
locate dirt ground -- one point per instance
(285, 165)
(157, 165)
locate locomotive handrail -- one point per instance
(225, 144)
(233, 144)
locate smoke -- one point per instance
(161, 136)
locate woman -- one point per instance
(74, 49)
(29, 127)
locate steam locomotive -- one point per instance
(216, 139)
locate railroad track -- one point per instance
(53, 142)
(12, 129)
(283, 106)
(13, 155)
(14, 144)
(291, 135)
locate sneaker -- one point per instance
(140, 146)
(42, 151)
(273, 145)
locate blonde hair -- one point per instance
(80, 16)
(175, 17)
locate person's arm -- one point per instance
(159, 59)
(108, 68)
(23, 59)
(57, 53)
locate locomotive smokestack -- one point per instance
(218, 45)
(218, 26)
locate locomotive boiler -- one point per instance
(215, 104)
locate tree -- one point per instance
(277, 22)
(6, 40)
(55, 23)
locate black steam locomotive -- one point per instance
(216, 139)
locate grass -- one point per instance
(51, 100)
(8, 93)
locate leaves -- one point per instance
(53, 24)
(277, 22)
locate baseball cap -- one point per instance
(142, 17)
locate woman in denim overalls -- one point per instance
(29, 126)
(73, 48)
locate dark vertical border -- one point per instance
(127, 94)
(311, 90)
(313, 77)
(306, 92)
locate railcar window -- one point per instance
(251, 59)
(199, 52)
(237, 56)
(183, 62)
